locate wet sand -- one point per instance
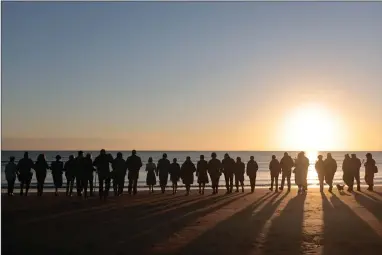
(240, 223)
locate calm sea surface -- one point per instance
(262, 157)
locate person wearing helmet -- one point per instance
(214, 170)
(228, 170)
(162, 171)
(252, 168)
(134, 164)
(57, 169)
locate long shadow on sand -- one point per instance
(339, 222)
(371, 203)
(237, 234)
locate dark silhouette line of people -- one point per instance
(88, 176)
(320, 169)
(70, 168)
(356, 166)
(370, 170)
(252, 168)
(330, 170)
(202, 174)
(163, 169)
(174, 175)
(79, 172)
(10, 175)
(57, 168)
(215, 171)
(187, 174)
(133, 164)
(119, 174)
(41, 167)
(102, 163)
(348, 175)
(239, 174)
(301, 172)
(228, 170)
(275, 170)
(24, 168)
(151, 179)
(286, 164)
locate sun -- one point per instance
(310, 127)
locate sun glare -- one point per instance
(310, 128)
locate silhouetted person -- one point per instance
(88, 176)
(355, 166)
(151, 179)
(301, 172)
(330, 170)
(239, 174)
(228, 170)
(174, 175)
(70, 169)
(348, 176)
(214, 170)
(187, 174)
(201, 173)
(275, 169)
(133, 163)
(252, 168)
(163, 169)
(320, 168)
(102, 163)
(370, 170)
(57, 168)
(41, 167)
(24, 167)
(286, 164)
(10, 175)
(80, 172)
(119, 174)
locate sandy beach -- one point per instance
(241, 223)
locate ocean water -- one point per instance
(262, 157)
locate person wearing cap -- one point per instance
(187, 173)
(301, 172)
(214, 170)
(70, 168)
(151, 179)
(162, 171)
(286, 164)
(370, 170)
(348, 173)
(119, 174)
(275, 169)
(202, 174)
(174, 175)
(239, 174)
(24, 167)
(102, 163)
(252, 168)
(330, 170)
(40, 167)
(133, 164)
(57, 168)
(356, 166)
(10, 175)
(88, 175)
(320, 169)
(228, 170)
(79, 172)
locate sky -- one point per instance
(191, 76)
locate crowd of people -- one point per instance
(80, 171)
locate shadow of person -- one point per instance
(371, 203)
(238, 233)
(286, 230)
(344, 231)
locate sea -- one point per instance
(262, 157)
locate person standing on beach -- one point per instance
(348, 176)
(301, 172)
(286, 164)
(133, 164)
(41, 167)
(214, 170)
(330, 170)
(163, 170)
(57, 168)
(187, 174)
(10, 175)
(102, 163)
(201, 173)
(119, 173)
(151, 179)
(174, 175)
(320, 168)
(275, 168)
(24, 167)
(88, 175)
(228, 170)
(252, 168)
(239, 174)
(80, 172)
(370, 170)
(356, 165)
(70, 168)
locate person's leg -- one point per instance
(22, 187)
(237, 183)
(9, 187)
(358, 180)
(71, 187)
(100, 188)
(226, 178)
(85, 187)
(272, 179)
(231, 183)
(283, 176)
(242, 185)
(277, 182)
(91, 177)
(135, 185)
(204, 185)
(130, 186)
(27, 185)
(107, 187)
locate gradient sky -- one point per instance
(188, 76)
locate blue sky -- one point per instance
(158, 71)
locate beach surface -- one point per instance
(240, 223)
